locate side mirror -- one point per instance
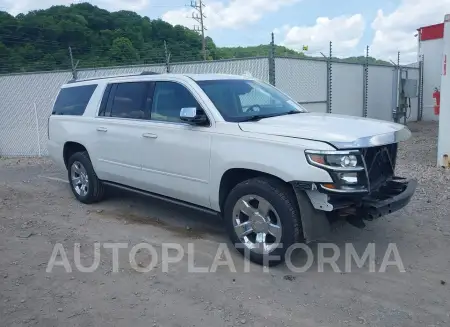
(193, 115)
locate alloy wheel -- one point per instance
(257, 224)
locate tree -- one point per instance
(39, 40)
(4, 55)
(122, 51)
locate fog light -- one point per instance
(348, 178)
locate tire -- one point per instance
(95, 189)
(285, 211)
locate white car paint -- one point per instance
(187, 162)
(329, 128)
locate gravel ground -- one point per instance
(38, 211)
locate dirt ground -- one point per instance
(38, 210)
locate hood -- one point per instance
(341, 131)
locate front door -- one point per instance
(176, 162)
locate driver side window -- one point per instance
(168, 99)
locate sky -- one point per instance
(386, 26)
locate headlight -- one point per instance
(336, 160)
(346, 169)
(342, 160)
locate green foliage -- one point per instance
(40, 39)
(362, 60)
(260, 50)
(123, 51)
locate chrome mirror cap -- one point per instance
(188, 113)
(193, 116)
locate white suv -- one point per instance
(232, 145)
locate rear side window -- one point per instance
(72, 101)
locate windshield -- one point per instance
(238, 100)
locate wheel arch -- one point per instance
(71, 148)
(233, 176)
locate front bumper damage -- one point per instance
(390, 197)
(324, 210)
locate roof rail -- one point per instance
(149, 73)
(111, 76)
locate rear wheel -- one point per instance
(262, 219)
(83, 180)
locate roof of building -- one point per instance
(431, 32)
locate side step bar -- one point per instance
(161, 197)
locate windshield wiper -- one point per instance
(255, 117)
(259, 117)
(291, 112)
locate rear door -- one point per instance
(119, 126)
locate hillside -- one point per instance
(39, 40)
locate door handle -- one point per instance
(150, 135)
(102, 129)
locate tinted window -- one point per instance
(110, 100)
(105, 100)
(168, 99)
(73, 100)
(129, 100)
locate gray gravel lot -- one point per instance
(38, 210)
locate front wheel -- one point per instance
(262, 219)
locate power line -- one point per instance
(199, 16)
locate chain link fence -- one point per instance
(25, 104)
(303, 80)
(319, 84)
(364, 90)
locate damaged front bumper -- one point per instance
(362, 186)
(328, 209)
(390, 197)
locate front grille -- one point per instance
(380, 163)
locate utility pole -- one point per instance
(199, 16)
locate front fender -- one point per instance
(284, 160)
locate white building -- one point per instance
(431, 47)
